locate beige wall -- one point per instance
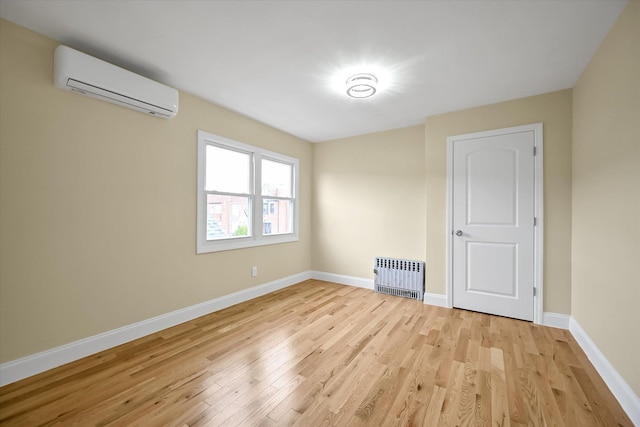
(368, 201)
(98, 202)
(98, 207)
(606, 197)
(554, 111)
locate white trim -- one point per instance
(538, 243)
(257, 154)
(40, 362)
(622, 391)
(538, 230)
(343, 280)
(429, 298)
(449, 226)
(556, 320)
(439, 300)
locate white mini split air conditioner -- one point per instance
(81, 73)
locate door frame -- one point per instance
(538, 232)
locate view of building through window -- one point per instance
(276, 182)
(229, 215)
(276, 216)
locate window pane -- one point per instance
(276, 217)
(227, 217)
(227, 170)
(276, 179)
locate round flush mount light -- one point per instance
(362, 85)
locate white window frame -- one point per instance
(256, 199)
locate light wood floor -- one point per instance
(318, 353)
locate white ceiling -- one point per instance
(277, 61)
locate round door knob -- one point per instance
(458, 232)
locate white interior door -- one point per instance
(492, 218)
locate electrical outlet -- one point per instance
(254, 271)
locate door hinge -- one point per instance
(534, 291)
(535, 150)
(535, 221)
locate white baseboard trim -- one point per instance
(34, 364)
(622, 391)
(343, 280)
(439, 300)
(40, 362)
(432, 299)
(556, 320)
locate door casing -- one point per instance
(537, 128)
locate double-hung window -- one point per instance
(247, 196)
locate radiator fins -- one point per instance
(399, 277)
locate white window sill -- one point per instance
(243, 242)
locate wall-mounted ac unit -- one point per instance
(81, 73)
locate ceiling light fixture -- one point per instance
(362, 85)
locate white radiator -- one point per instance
(399, 277)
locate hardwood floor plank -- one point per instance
(261, 411)
(467, 399)
(432, 417)
(483, 398)
(450, 411)
(499, 401)
(318, 353)
(410, 408)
